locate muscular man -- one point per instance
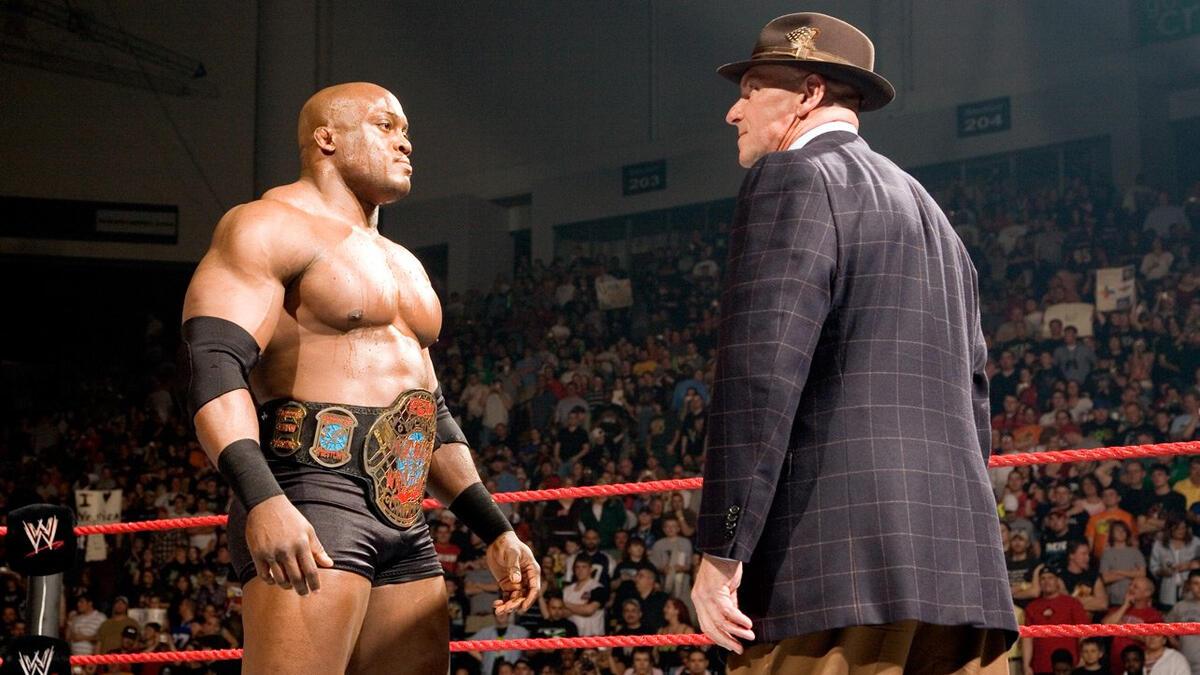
(307, 334)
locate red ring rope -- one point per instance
(616, 489)
(608, 641)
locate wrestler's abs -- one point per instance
(354, 325)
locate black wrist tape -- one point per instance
(474, 506)
(447, 429)
(243, 465)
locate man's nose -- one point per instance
(735, 113)
(404, 145)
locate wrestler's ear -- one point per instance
(324, 139)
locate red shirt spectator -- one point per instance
(1053, 607)
(447, 552)
(1137, 608)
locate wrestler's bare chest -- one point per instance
(364, 281)
(355, 320)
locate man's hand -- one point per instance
(516, 571)
(715, 595)
(284, 546)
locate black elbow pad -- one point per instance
(218, 357)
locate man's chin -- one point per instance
(394, 192)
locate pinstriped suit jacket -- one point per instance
(849, 430)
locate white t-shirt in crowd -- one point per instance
(87, 624)
(587, 625)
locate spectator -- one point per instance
(645, 591)
(1062, 662)
(677, 620)
(109, 634)
(1183, 425)
(1098, 524)
(634, 560)
(1062, 498)
(1082, 580)
(601, 565)
(1121, 563)
(501, 630)
(1163, 216)
(496, 408)
(696, 663)
(1136, 608)
(1155, 265)
(152, 640)
(1161, 502)
(1074, 359)
(83, 625)
(1188, 610)
(643, 663)
(554, 613)
(1056, 537)
(585, 600)
(605, 517)
(447, 551)
(672, 555)
(1190, 487)
(1161, 659)
(1053, 606)
(630, 624)
(1173, 558)
(1091, 658)
(1133, 660)
(1021, 562)
(458, 606)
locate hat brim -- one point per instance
(875, 90)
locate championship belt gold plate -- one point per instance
(285, 439)
(399, 448)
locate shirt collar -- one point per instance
(822, 129)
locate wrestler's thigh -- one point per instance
(290, 633)
(406, 630)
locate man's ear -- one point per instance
(812, 89)
(324, 139)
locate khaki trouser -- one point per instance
(907, 647)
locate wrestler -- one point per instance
(307, 335)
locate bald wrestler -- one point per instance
(307, 335)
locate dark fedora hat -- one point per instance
(820, 44)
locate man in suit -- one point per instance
(847, 521)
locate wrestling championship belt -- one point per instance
(397, 454)
(389, 449)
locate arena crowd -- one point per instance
(555, 391)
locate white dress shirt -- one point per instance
(822, 129)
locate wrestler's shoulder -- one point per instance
(264, 214)
(265, 230)
(262, 221)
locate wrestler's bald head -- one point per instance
(339, 106)
(357, 132)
